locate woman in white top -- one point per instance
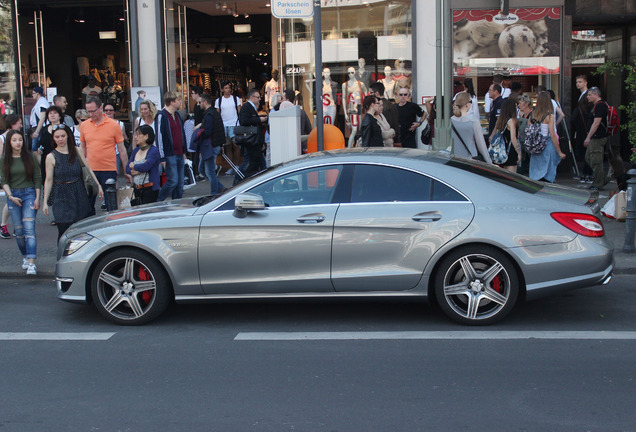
(147, 114)
(543, 166)
(474, 107)
(468, 140)
(81, 115)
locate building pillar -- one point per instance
(146, 46)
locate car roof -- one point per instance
(398, 156)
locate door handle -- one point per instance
(311, 218)
(432, 216)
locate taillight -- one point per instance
(581, 223)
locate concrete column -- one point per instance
(146, 47)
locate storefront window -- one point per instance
(8, 84)
(588, 47)
(362, 42)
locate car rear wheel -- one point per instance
(476, 286)
(130, 287)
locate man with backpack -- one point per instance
(228, 106)
(597, 138)
(210, 141)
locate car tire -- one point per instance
(130, 287)
(476, 285)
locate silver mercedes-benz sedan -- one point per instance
(471, 237)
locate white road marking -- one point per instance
(83, 336)
(441, 335)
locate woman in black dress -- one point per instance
(64, 184)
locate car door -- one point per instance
(396, 220)
(285, 248)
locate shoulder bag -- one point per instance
(246, 135)
(479, 157)
(89, 182)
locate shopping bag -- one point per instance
(620, 206)
(124, 197)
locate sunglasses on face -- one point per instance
(109, 110)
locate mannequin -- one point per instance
(362, 74)
(401, 76)
(271, 88)
(389, 84)
(329, 103)
(352, 92)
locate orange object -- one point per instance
(334, 139)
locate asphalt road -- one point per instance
(566, 363)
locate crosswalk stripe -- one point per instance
(432, 335)
(33, 336)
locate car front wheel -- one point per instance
(129, 287)
(476, 286)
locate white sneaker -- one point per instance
(25, 263)
(31, 270)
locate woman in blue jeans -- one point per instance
(22, 182)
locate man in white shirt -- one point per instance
(41, 105)
(229, 106)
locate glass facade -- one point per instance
(8, 82)
(362, 42)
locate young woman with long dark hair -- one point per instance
(13, 122)
(508, 126)
(64, 184)
(21, 181)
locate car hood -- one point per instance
(148, 212)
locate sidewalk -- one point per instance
(11, 260)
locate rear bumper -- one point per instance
(539, 290)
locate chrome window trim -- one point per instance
(332, 163)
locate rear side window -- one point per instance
(376, 183)
(514, 180)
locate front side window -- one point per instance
(306, 187)
(375, 183)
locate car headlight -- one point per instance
(75, 243)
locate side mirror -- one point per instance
(245, 202)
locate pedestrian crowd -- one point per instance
(64, 167)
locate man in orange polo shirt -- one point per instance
(99, 137)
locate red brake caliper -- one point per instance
(496, 284)
(144, 276)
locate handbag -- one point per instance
(425, 137)
(89, 182)
(479, 157)
(246, 135)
